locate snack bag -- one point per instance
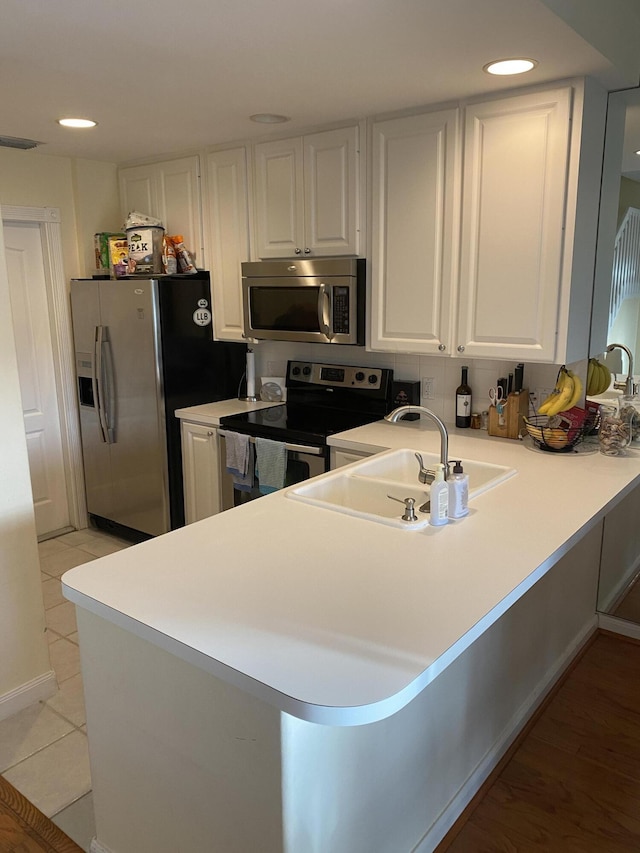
(169, 259)
(185, 261)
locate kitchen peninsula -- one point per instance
(284, 678)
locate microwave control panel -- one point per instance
(335, 375)
(340, 310)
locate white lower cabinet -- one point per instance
(484, 229)
(200, 471)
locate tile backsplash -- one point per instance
(271, 360)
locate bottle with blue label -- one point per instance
(439, 498)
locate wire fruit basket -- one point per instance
(555, 436)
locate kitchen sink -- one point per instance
(401, 466)
(363, 489)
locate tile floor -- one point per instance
(43, 749)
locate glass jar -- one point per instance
(614, 433)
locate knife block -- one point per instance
(515, 409)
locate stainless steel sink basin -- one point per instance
(363, 489)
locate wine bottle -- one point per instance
(463, 401)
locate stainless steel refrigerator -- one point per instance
(144, 348)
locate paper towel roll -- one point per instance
(251, 374)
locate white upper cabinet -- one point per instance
(227, 237)
(528, 186)
(169, 191)
(307, 198)
(414, 231)
(515, 186)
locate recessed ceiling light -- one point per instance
(269, 118)
(505, 67)
(77, 122)
(638, 153)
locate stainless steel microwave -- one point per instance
(318, 300)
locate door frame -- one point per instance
(58, 304)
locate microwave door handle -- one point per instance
(325, 320)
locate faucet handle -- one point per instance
(424, 475)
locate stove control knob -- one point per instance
(372, 379)
(295, 371)
(306, 370)
(359, 376)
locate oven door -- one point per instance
(303, 462)
(309, 309)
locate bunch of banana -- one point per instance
(598, 378)
(566, 394)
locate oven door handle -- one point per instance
(325, 311)
(294, 448)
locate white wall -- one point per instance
(86, 193)
(272, 356)
(24, 655)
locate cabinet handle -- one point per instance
(298, 251)
(210, 432)
(441, 347)
(460, 348)
(307, 251)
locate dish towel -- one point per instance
(239, 460)
(271, 464)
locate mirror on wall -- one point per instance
(624, 314)
(619, 319)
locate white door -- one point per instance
(29, 307)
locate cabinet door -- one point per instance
(228, 238)
(200, 471)
(179, 202)
(139, 191)
(279, 193)
(169, 191)
(515, 184)
(414, 232)
(331, 197)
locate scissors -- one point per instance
(496, 396)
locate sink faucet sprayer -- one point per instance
(627, 385)
(394, 416)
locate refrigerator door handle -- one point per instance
(110, 407)
(98, 376)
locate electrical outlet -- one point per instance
(428, 388)
(539, 395)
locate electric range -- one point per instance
(322, 399)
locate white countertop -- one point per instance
(210, 413)
(340, 620)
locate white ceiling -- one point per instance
(165, 77)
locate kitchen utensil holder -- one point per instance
(511, 424)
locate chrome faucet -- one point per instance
(394, 416)
(627, 386)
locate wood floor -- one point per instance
(24, 829)
(573, 785)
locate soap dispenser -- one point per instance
(458, 485)
(439, 498)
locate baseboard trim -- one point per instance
(97, 847)
(618, 626)
(511, 736)
(36, 690)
